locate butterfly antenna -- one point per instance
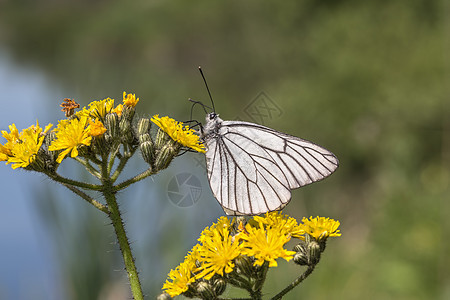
(198, 102)
(207, 88)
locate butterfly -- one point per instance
(252, 168)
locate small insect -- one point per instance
(252, 168)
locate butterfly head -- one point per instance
(211, 128)
(211, 116)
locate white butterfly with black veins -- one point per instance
(252, 168)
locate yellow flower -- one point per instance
(118, 110)
(175, 130)
(320, 227)
(217, 252)
(265, 244)
(179, 279)
(21, 148)
(130, 99)
(284, 224)
(96, 128)
(69, 135)
(99, 109)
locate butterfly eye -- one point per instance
(212, 116)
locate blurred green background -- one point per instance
(368, 80)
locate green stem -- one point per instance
(239, 282)
(134, 179)
(95, 159)
(262, 274)
(88, 167)
(295, 283)
(116, 219)
(122, 163)
(89, 199)
(55, 176)
(112, 157)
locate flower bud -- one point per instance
(143, 126)
(219, 285)
(244, 265)
(161, 139)
(205, 290)
(124, 126)
(314, 252)
(148, 152)
(112, 125)
(49, 137)
(301, 258)
(163, 296)
(38, 163)
(52, 155)
(299, 248)
(165, 156)
(128, 113)
(126, 131)
(83, 150)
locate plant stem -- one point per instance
(88, 198)
(88, 167)
(55, 176)
(123, 161)
(116, 219)
(112, 157)
(295, 283)
(125, 248)
(134, 179)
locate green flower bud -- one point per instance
(148, 152)
(244, 265)
(161, 139)
(112, 125)
(38, 163)
(128, 113)
(299, 248)
(314, 252)
(126, 131)
(145, 138)
(165, 155)
(52, 155)
(205, 290)
(301, 258)
(49, 137)
(219, 285)
(143, 126)
(164, 296)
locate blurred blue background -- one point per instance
(367, 80)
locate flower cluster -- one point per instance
(96, 129)
(239, 253)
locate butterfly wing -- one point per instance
(252, 168)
